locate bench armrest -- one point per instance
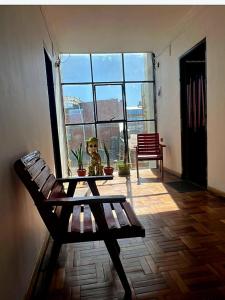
(84, 178)
(84, 200)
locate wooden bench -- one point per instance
(56, 206)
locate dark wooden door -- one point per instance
(193, 115)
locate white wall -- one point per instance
(209, 23)
(24, 126)
(61, 122)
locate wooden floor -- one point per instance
(181, 257)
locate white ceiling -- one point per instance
(113, 28)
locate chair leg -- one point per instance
(161, 164)
(137, 168)
(118, 266)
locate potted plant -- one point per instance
(108, 170)
(79, 156)
(123, 168)
(123, 165)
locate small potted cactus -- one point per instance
(79, 157)
(108, 170)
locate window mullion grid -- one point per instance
(123, 84)
(154, 92)
(125, 109)
(107, 82)
(94, 97)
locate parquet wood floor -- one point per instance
(181, 257)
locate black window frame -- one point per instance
(123, 84)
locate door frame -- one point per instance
(181, 62)
(53, 113)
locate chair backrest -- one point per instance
(148, 144)
(42, 184)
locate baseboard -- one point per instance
(36, 271)
(172, 172)
(216, 192)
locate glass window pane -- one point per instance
(139, 127)
(109, 102)
(140, 101)
(138, 66)
(133, 129)
(107, 67)
(75, 68)
(75, 135)
(112, 136)
(78, 104)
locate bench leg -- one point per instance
(48, 274)
(118, 266)
(116, 244)
(54, 254)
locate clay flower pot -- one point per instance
(81, 172)
(108, 170)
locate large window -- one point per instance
(110, 96)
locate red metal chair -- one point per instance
(149, 148)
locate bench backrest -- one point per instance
(42, 184)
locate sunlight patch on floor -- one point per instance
(154, 204)
(150, 196)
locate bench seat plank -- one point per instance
(121, 216)
(131, 215)
(110, 219)
(75, 225)
(87, 219)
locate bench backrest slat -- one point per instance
(48, 186)
(41, 179)
(41, 184)
(36, 168)
(29, 159)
